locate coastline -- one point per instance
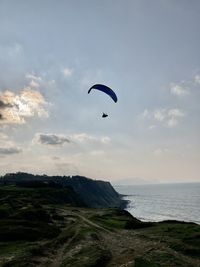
(163, 202)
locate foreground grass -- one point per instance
(39, 227)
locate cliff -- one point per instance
(94, 193)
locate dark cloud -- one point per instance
(10, 150)
(56, 158)
(4, 105)
(51, 139)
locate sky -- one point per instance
(52, 52)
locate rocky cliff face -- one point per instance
(94, 193)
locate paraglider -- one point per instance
(105, 89)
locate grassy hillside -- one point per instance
(94, 193)
(52, 227)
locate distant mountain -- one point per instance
(94, 193)
(134, 181)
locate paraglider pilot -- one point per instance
(104, 115)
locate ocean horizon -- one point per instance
(158, 202)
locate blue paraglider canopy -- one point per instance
(105, 89)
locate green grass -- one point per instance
(90, 256)
(17, 254)
(182, 237)
(121, 219)
(110, 222)
(66, 234)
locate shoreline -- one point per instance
(162, 202)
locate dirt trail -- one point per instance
(124, 245)
(61, 252)
(93, 224)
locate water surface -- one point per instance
(163, 201)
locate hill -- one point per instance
(94, 193)
(51, 226)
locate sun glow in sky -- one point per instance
(52, 52)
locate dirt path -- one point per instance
(124, 245)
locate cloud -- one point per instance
(178, 90)
(159, 115)
(34, 84)
(33, 77)
(16, 108)
(105, 140)
(164, 117)
(175, 113)
(97, 153)
(197, 79)
(4, 105)
(51, 139)
(83, 137)
(77, 138)
(7, 146)
(41, 81)
(67, 72)
(3, 136)
(10, 150)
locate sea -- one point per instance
(158, 202)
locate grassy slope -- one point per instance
(39, 227)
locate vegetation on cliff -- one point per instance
(51, 226)
(94, 193)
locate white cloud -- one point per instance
(159, 115)
(105, 140)
(83, 137)
(33, 77)
(34, 84)
(175, 113)
(97, 153)
(178, 90)
(67, 72)
(164, 117)
(16, 108)
(172, 122)
(197, 79)
(42, 81)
